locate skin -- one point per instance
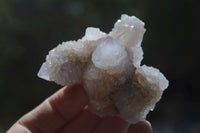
(66, 111)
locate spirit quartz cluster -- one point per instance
(108, 66)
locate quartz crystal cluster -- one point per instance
(108, 66)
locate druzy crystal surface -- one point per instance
(108, 66)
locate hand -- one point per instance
(66, 111)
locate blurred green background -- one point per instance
(30, 28)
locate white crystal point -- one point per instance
(108, 66)
(59, 68)
(110, 55)
(152, 77)
(43, 72)
(129, 31)
(139, 98)
(92, 33)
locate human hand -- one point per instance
(66, 111)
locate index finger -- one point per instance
(54, 112)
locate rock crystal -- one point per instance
(109, 68)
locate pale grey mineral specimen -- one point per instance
(108, 66)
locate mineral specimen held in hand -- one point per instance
(108, 66)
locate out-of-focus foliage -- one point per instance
(30, 28)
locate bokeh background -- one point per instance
(30, 28)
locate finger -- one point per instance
(112, 125)
(17, 128)
(85, 123)
(141, 127)
(54, 112)
(69, 102)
